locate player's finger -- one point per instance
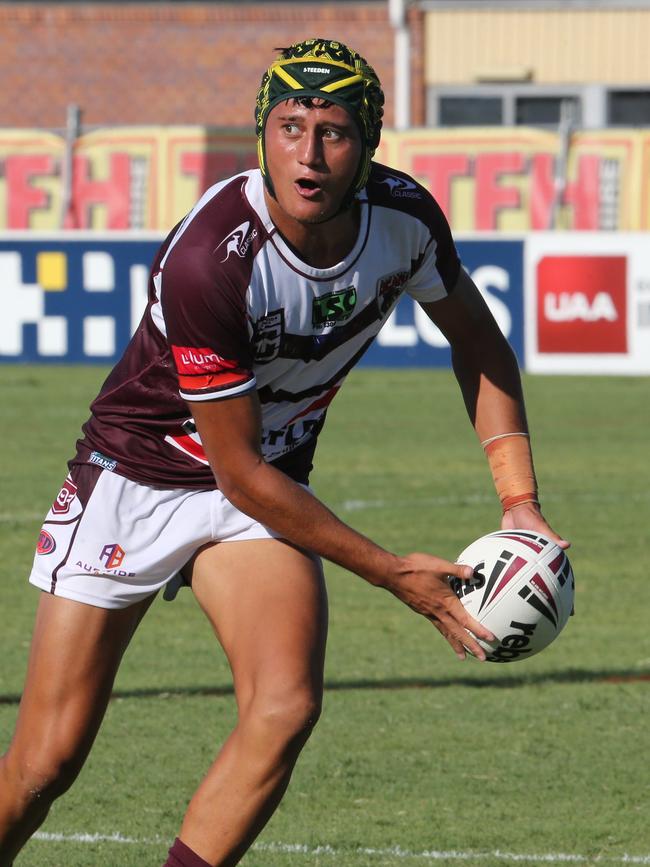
(460, 614)
(455, 644)
(458, 570)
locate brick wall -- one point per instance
(173, 63)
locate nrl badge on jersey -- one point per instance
(267, 336)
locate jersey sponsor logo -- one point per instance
(333, 308)
(200, 359)
(63, 501)
(279, 442)
(46, 543)
(267, 336)
(237, 242)
(113, 555)
(389, 289)
(102, 461)
(401, 188)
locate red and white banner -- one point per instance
(587, 304)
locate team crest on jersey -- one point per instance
(389, 289)
(63, 501)
(333, 308)
(401, 188)
(237, 242)
(267, 336)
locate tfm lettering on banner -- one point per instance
(488, 279)
(511, 183)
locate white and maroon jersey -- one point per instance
(232, 309)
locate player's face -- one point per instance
(312, 156)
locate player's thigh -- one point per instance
(267, 602)
(75, 653)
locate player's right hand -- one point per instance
(422, 585)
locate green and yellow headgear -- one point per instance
(321, 68)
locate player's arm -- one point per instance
(230, 433)
(487, 372)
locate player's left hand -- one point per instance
(528, 516)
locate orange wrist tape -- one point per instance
(511, 465)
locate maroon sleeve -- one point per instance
(205, 318)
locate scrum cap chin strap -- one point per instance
(323, 69)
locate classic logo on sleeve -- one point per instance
(199, 360)
(237, 242)
(401, 188)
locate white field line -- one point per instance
(21, 517)
(478, 499)
(354, 505)
(393, 852)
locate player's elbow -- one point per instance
(239, 483)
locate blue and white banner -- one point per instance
(73, 298)
(409, 338)
(77, 298)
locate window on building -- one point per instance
(628, 107)
(506, 104)
(470, 111)
(544, 110)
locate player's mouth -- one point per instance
(308, 188)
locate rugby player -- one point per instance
(196, 458)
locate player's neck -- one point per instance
(321, 245)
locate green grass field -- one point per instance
(419, 758)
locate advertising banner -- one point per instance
(410, 339)
(504, 179)
(587, 303)
(72, 297)
(78, 297)
(567, 302)
(492, 179)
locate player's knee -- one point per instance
(289, 718)
(40, 776)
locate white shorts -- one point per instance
(110, 542)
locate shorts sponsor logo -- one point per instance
(237, 242)
(113, 555)
(334, 307)
(267, 336)
(401, 188)
(93, 570)
(63, 501)
(200, 360)
(102, 461)
(389, 289)
(46, 543)
(582, 304)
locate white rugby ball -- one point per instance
(522, 591)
